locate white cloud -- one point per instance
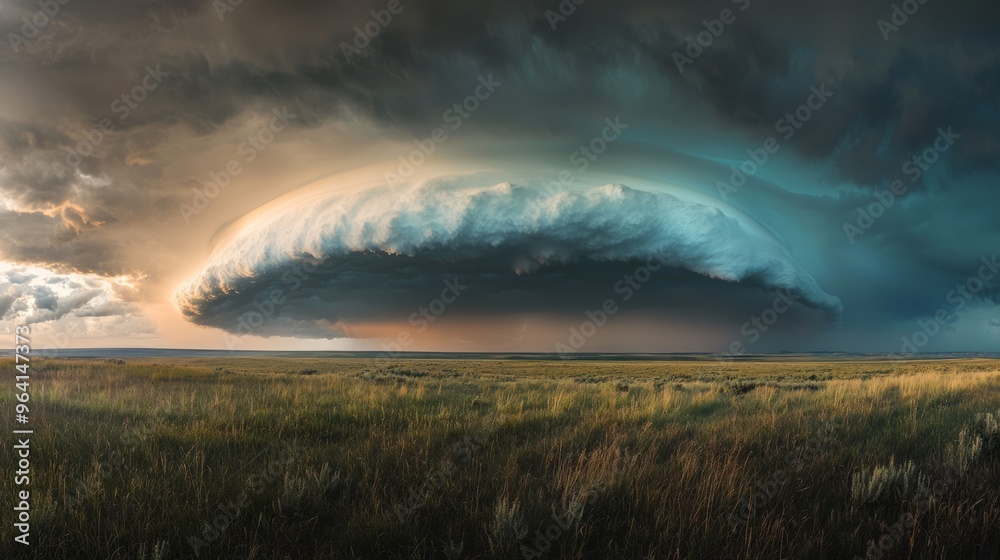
(74, 305)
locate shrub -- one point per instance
(987, 427)
(741, 386)
(884, 481)
(299, 492)
(159, 552)
(453, 550)
(965, 451)
(507, 528)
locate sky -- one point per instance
(736, 176)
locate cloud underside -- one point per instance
(317, 266)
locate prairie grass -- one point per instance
(275, 458)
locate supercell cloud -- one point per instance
(138, 150)
(372, 254)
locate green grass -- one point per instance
(638, 459)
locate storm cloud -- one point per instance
(374, 252)
(850, 202)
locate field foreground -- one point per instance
(274, 458)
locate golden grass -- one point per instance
(662, 455)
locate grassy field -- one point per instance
(261, 458)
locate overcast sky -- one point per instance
(731, 176)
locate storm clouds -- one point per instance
(844, 153)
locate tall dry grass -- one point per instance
(625, 460)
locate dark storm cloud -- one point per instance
(372, 255)
(937, 70)
(346, 292)
(892, 94)
(940, 69)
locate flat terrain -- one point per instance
(274, 458)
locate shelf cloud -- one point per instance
(373, 253)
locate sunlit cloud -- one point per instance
(72, 304)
